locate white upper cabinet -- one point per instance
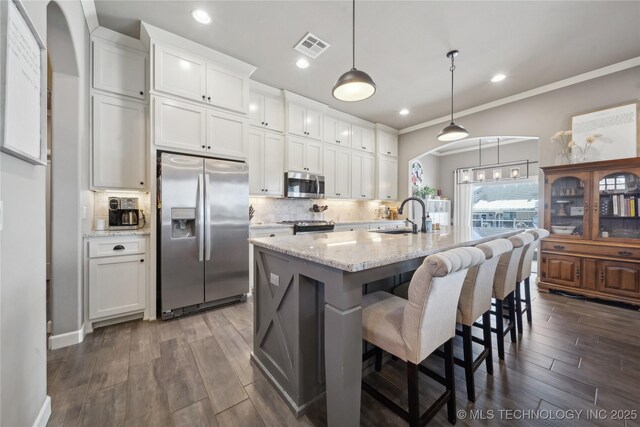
(337, 172)
(119, 143)
(387, 143)
(304, 121)
(119, 69)
(387, 178)
(226, 134)
(362, 175)
(227, 89)
(266, 163)
(362, 138)
(304, 155)
(179, 125)
(266, 111)
(180, 73)
(337, 132)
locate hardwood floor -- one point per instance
(196, 371)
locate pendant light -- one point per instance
(354, 85)
(452, 132)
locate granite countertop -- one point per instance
(361, 250)
(113, 233)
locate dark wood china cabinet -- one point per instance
(592, 212)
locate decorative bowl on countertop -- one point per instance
(563, 229)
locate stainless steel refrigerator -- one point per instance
(203, 228)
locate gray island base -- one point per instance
(307, 315)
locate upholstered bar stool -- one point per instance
(504, 286)
(475, 302)
(524, 272)
(412, 329)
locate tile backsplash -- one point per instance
(268, 210)
(101, 204)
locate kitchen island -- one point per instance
(307, 314)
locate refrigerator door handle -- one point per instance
(200, 231)
(207, 217)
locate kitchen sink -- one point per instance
(391, 231)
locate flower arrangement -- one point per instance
(571, 151)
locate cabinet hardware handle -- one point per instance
(272, 235)
(388, 152)
(204, 96)
(595, 206)
(203, 146)
(602, 276)
(141, 183)
(141, 260)
(208, 147)
(266, 124)
(559, 247)
(262, 123)
(208, 98)
(625, 253)
(118, 248)
(577, 272)
(364, 148)
(141, 93)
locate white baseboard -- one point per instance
(65, 340)
(44, 414)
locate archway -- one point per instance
(66, 139)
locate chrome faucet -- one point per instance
(423, 229)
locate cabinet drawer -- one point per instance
(610, 251)
(116, 246)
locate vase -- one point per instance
(562, 159)
(578, 156)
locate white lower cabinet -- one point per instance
(387, 178)
(363, 175)
(117, 277)
(337, 170)
(266, 163)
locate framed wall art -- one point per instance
(23, 86)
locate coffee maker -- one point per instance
(123, 213)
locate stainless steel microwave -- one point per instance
(303, 185)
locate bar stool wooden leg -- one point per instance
(512, 317)
(468, 362)
(414, 405)
(450, 380)
(486, 333)
(527, 297)
(518, 304)
(378, 365)
(500, 328)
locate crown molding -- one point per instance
(590, 75)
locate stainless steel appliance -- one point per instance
(203, 229)
(304, 185)
(308, 227)
(123, 213)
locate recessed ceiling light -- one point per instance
(403, 112)
(498, 78)
(302, 63)
(201, 16)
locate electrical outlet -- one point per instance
(274, 279)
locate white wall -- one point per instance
(22, 256)
(540, 116)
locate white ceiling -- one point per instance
(402, 45)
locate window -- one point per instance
(504, 205)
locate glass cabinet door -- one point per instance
(616, 203)
(567, 205)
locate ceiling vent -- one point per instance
(311, 46)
